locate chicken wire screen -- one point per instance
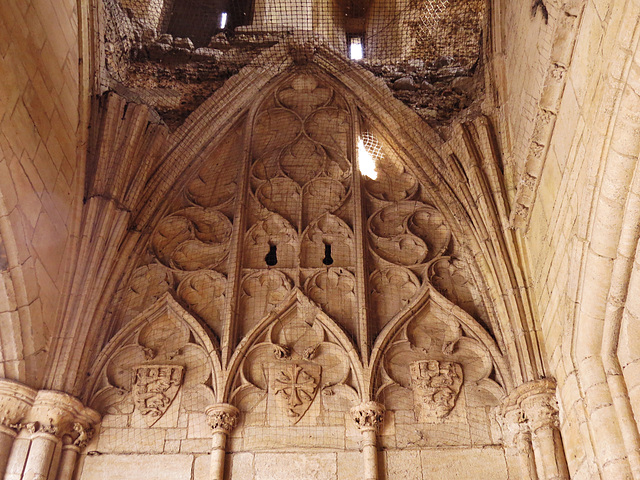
(172, 54)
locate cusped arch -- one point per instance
(164, 334)
(294, 300)
(470, 328)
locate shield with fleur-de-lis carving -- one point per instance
(294, 387)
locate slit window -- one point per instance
(271, 258)
(223, 20)
(328, 259)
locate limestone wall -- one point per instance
(39, 177)
(571, 241)
(427, 464)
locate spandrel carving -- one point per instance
(147, 284)
(193, 238)
(334, 291)
(320, 196)
(283, 196)
(408, 233)
(394, 183)
(261, 292)
(203, 292)
(392, 289)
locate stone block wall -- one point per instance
(562, 230)
(40, 182)
(486, 463)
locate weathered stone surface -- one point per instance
(138, 467)
(275, 466)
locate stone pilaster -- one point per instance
(222, 419)
(369, 416)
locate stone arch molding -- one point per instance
(424, 156)
(295, 360)
(163, 363)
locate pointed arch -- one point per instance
(164, 307)
(295, 298)
(469, 325)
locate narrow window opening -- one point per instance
(327, 260)
(271, 258)
(356, 51)
(223, 20)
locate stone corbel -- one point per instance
(222, 418)
(531, 431)
(368, 416)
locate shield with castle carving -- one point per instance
(154, 389)
(436, 385)
(294, 387)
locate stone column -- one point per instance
(541, 411)
(72, 444)
(517, 443)
(368, 417)
(43, 445)
(53, 416)
(222, 418)
(531, 432)
(15, 402)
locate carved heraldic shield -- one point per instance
(435, 386)
(154, 389)
(294, 386)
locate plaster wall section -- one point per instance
(39, 179)
(561, 227)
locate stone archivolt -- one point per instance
(284, 284)
(162, 357)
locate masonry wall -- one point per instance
(40, 179)
(486, 463)
(562, 214)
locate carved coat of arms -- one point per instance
(294, 386)
(154, 389)
(435, 386)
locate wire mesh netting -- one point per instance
(172, 55)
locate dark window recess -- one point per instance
(271, 258)
(327, 260)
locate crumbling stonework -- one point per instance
(242, 255)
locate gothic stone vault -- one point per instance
(226, 295)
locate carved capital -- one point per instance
(368, 415)
(59, 414)
(541, 410)
(535, 403)
(222, 417)
(513, 425)
(15, 401)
